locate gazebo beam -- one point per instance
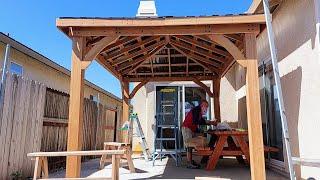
(212, 20)
(165, 79)
(216, 99)
(98, 47)
(230, 47)
(256, 148)
(198, 59)
(137, 62)
(73, 165)
(202, 52)
(125, 107)
(166, 30)
(136, 89)
(203, 86)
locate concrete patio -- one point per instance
(166, 169)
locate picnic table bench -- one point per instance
(41, 162)
(239, 150)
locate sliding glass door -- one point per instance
(272, 129)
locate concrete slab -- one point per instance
(166, 169)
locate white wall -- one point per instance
(296, 29)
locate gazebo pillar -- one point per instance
(73, 165)
(216, 98)
(257, 163)
(125, 107)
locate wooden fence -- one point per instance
(35, 118)
(20, 124)
(55, 126)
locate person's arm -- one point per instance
(212, 122)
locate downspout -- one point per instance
(5, 67)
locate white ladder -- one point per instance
(284, 124)
(139, 133)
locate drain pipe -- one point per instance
(6, 63)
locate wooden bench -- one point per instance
(41, 161)
(118, 146)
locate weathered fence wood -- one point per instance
(20, 124)
(35, 118)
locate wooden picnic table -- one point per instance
(231, 150)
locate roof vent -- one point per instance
(147, 8)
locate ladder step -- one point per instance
(167, 114)
(166, 139)
(168, 126)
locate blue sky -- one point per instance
(32, 22)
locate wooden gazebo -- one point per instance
(166, 49)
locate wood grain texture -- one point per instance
(254, 110)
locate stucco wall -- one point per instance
(35, 70)
(297, 42)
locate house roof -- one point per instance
(257, 6)
(43, 59)
(140, 49)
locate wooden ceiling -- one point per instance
(164, 48)
(174, 56)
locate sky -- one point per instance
(32, 22)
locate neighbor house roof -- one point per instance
(43, 59)
(257, 6)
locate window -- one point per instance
(16, 68)
(94, 98)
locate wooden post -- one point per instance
(73, 165)
(125, 108)
(254, 110)
(216, 98)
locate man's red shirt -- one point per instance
(187, 123)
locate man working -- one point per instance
(190, 127)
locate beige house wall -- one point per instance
(53, 78)
(296, 28)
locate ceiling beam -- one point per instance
(135, 89)
(99, 46)
(167, 30)
(202, 52)
(168, 79)
(193, 55)
(130, 48)
(203, 86)
(205, 66)
(135, 54)
(100, 59)
(119, 43)
(230, 47)
(137, 62)
(202, 45)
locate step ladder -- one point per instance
(139, 133)
(164, 122)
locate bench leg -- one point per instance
(115, 167)
(37, 168)
(44, 167)
(129, 160)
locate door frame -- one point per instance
(272, 163)
(183, 85)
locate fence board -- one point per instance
(17, 137)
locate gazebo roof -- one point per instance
(163, 48)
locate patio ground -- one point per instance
(166, 169)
